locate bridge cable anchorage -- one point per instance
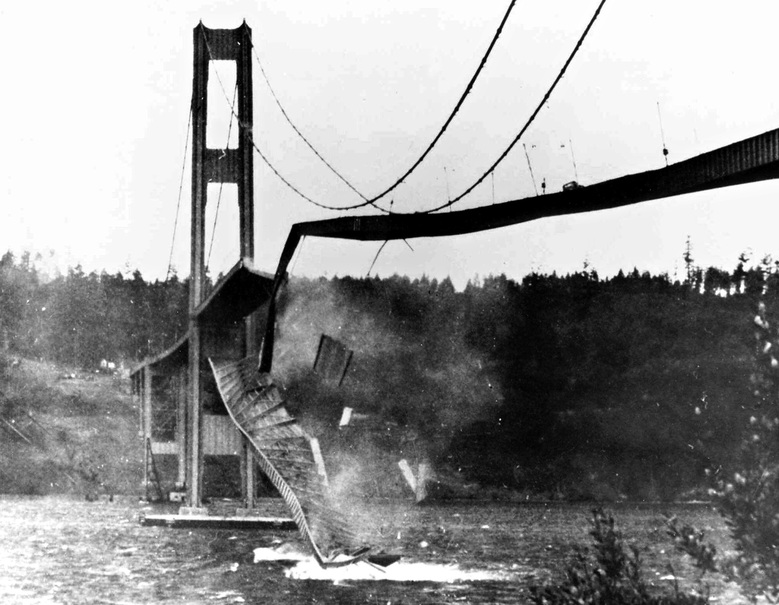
(530, 119)
(263, 157)
(181, 187)
(303, 137)
(221, 183)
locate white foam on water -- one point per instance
(309, 569)
(280, 553)
(305, 567)
(233, 596)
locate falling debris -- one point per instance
(319, 460)
(418, 483)
(346, 417)
(349, 418)
(408, 475)
(332, 359)
(424, 474)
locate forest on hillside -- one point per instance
(566, 386)
(78, 319)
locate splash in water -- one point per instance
(284, 553)
(397, 572)
(304, 567)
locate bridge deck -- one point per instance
(750, 160)
(753, 159)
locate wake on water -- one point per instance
(304, 567)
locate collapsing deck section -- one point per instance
(289, 457)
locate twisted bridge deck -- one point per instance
(285, 454)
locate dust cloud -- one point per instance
(412, 385)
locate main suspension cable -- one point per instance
(530, 119)
(372, 201)
(453, 201)
(301, 135)
(457, 107)
(264, 158)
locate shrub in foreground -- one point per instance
(746, 493)
(607, 574)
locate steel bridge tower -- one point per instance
(216, 166)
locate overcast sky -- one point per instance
(96, 100)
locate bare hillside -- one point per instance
(66, 431)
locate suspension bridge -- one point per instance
(230, 341)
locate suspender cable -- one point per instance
(530, 168)
(181, 187)
(375, 258)
(221, 184)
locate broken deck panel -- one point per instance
(213, 522)
(332, 359)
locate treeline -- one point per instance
(566, 386)
(572, 386)
(79, 319)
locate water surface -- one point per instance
(63, 550)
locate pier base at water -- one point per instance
(192, 510)
(205, 521)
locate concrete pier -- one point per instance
(200, 521)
